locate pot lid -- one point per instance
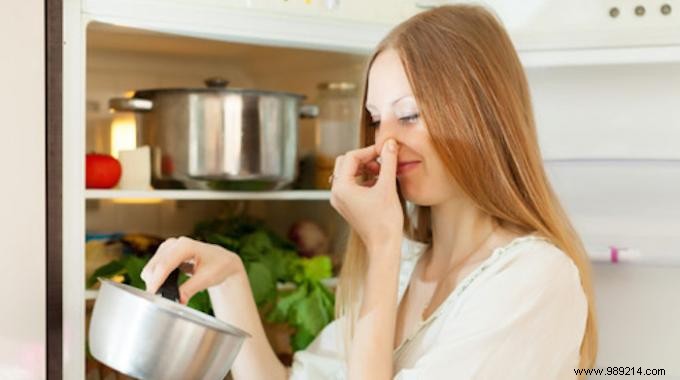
(337, 86)
(215, 85)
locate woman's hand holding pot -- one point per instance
(208, 265)
(221, 272)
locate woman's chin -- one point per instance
(407, 191)
(414, 195)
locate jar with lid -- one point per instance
(337, 127)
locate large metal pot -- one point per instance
(232, 138)
(147, 336)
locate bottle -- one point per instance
(337, 130)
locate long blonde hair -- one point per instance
(474, 98)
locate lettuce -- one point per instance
(269, 260)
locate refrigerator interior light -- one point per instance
(123, 133)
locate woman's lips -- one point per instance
(404, 167)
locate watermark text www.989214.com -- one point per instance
(620, 371)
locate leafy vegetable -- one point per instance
(309, 308)
(133, 267)
(280, 313)
(107, 271)
(261, 282)
(201, 300)
(316, 268)
(270, 259)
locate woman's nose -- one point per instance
(387, 131)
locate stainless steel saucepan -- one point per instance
(148, 336)
(233, 138)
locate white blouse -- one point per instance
(521, 314)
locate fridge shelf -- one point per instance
(151, 195)
(600, 56)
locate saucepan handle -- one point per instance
(216, 82)
(309, 111)
(130, 104)
(170, 287)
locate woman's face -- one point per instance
(394, 114)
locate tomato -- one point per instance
(101, 171)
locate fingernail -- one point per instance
(391, 145)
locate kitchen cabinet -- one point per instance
(604, 89)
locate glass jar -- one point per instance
(337, 127)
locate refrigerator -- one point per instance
(604, 80)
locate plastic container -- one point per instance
(337, 127)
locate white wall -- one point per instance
(22, 194)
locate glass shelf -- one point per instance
(131, 195)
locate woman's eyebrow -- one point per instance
(393, 102)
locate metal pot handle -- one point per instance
(216, 82)
(309, 111)
(170, 287)
(130, 104)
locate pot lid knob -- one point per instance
(216, 82)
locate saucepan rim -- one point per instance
(178, 310)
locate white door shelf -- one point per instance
(132, 195)
(600, 56)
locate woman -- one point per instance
(491, 283)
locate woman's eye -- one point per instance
(404, 120)
(410, 119)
